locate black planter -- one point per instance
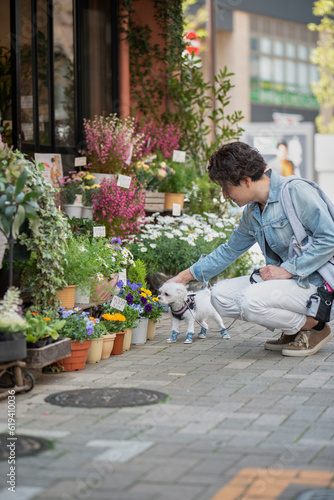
(13, 346)
(36, 345)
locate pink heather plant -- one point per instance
(109, 141)
(162, 138)
(120, 210)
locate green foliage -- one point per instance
(323, 57)
(174, 244)
(138, 273)
(39, 327)
(205, 196)
(182, 179)
(200, 108)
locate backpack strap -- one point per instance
(296, 247)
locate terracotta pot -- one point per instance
(127, 339)
(67, 296)
(118, 344)
(95, 351)
(78, 358)
(139, 334)
(108, 344)
(171, 198)
(102, 291)
(151, 329)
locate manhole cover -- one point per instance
(317, 495)
(114, 397)
(22, 446)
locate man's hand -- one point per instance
(183, 277)
(274, 273)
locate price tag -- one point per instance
(179, 156)
(124, 181)
(78, 199)
(99, 231)
(118, 303)
(122, 276)
(129, 158)
(148, 142)
(176, 209)
(81, 161)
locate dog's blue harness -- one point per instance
(189, 304)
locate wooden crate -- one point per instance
(154, 202)
(38, 358)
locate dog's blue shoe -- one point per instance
(202, 334)
(173, 337)
(189, 339)
(224, 334)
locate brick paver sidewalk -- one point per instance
(240, 423)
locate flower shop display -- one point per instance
(13, 344)
(111, 141)
(79, 328)
(176, 186)
(89, 188)
(96, 344)
(131, 314)
(152, 175)
(185, 238)
(115, 323)
(160, 138)
(72, 191)
(41, 330)
(120, 210)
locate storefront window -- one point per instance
(5, 72)
(63, 73)
(27, 97)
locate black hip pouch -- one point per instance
(319, 304)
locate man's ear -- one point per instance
(248, 182)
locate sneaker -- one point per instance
(308, 343)
(172, 338)
(279, 344)
(188, 341)
(202, 334)
(224, 334)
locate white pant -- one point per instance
(273, 304)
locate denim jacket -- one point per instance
(271, 229)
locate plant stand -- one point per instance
(44, 356)
(154, 201)
(20, 383)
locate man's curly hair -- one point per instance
(234, 162)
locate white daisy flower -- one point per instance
(177, 232)
(153, 245)
(184, 227)
(208, 237)
(169, 235)
(143, 249)
(82, 249)
(100, 276)
(108, 245)
(191, 243)
(219, 224)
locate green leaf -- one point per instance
(21, 182)
(18, 220)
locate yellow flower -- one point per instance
(143, 294)
(114, 317)
(88, 187)
(155, 299)
(95, 186)
(89, 177)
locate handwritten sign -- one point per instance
(179, 156)
(124, 181)
(122, 276)
(81, 161)
(118, 303)
(99, 231)
(176, 209)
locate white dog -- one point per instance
(191, 307)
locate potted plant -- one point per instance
(115, 323)
(41, 330)
(13, 344)
(78, 269)
(96, 345)
(89, 189)
(131, 314)
(78, 327)
(176, 185)
(72, 190)
(111, 142)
